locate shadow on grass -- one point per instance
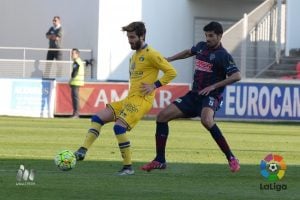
(98, 180)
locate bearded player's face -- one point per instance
(134, 41)
(212, 39)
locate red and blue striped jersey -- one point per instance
(211, 66)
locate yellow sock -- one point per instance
(92, 135)
(124, 145)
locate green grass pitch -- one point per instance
(196, 169)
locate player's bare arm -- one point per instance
(181, 55)
(229, 80)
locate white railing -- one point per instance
(255, 40)
(26, 53)
(26, 62)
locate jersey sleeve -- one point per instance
(197, 48)
(162, 64)
(229, 64)
(75, 69)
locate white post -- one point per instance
(24, 59)
(244, 46)
(278, 32)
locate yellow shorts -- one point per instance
(130, 110)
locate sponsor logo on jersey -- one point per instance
(203, 66)
(141, 58)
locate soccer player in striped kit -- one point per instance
(144, 68)
(214, 69)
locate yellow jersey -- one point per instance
(145, 65)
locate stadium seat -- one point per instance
(298, 70)
(297, 76)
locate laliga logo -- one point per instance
(273, 168)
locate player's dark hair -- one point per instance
(56, 17)
(138, 27)
(76, 50)
(215, 27)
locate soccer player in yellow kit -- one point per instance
(144, 68)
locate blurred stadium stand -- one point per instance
(258, 51)
(256, 42)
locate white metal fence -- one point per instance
(23, 62)
(256, 40)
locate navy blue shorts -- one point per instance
(191, 104)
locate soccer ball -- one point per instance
(273, 167)
(65, 160)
